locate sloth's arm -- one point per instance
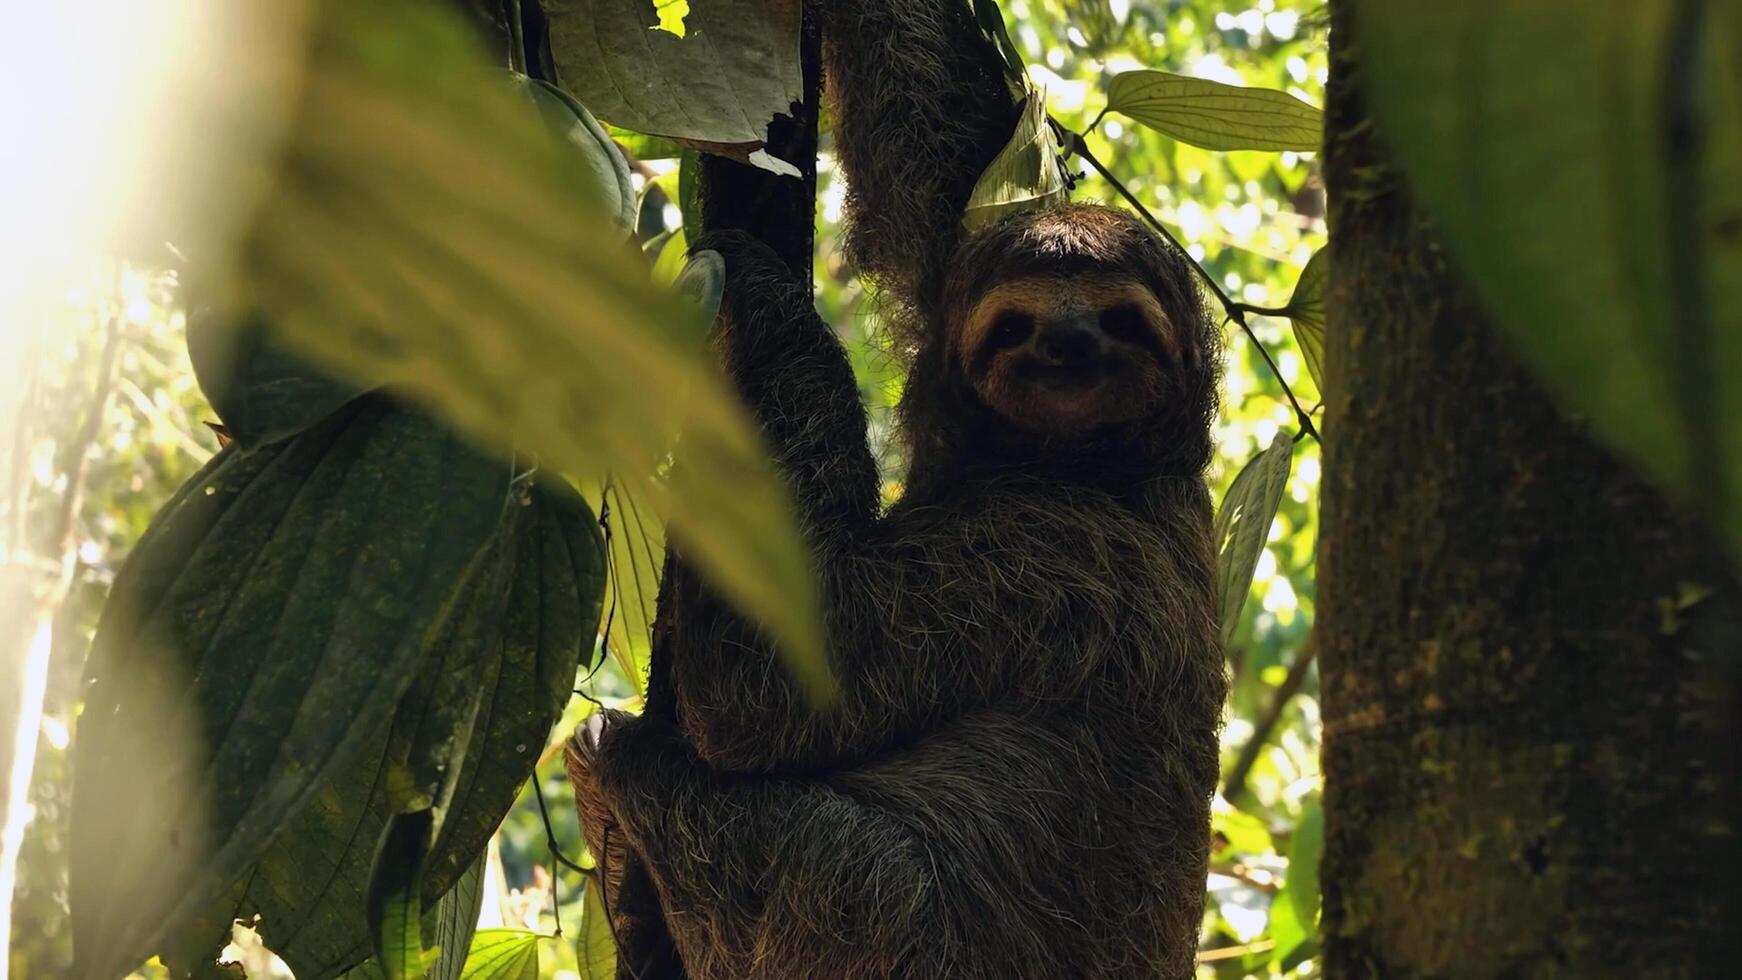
(921, 107)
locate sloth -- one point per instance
(1013, 780)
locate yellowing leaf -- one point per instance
(1025, 175)
(1243, 526)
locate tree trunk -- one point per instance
(1517, 639)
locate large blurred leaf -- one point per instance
(1243, 525)
(264, 628)
(425, 231)
(1538, 135)
(1215, 115)
(735, 67)
(464, 737)
(1306, 311)
(1026, 174)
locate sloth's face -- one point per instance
(1068, 355)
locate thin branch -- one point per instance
(1235, 952)
(1258, 879)
(1235, 311)
(1234, 784)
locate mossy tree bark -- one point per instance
(1519, 653)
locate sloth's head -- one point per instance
(1075, 320)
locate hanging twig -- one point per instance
(1236, 311)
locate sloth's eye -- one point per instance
(1009, 329)
(1125, 323)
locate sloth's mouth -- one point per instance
(1065, 377)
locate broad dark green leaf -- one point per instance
(262, 392)
(1243, 525)
(465, 737)
(1306, 311)
(735, 68)
(1215, 115)
(1026, 174)
(1608, 251)
(502, 954)
(395, 886)
(425, 231)
(262, 631)
(595, 151)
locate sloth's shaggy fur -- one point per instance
(1014, 782)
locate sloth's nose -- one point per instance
(1069, 342)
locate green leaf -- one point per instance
(735, 68)
(1285, 928)
(1610, 257)
(1026, 174)
(642, 146)
(394, 896)
(1304, 854)
(1215, 115)
(502, 954)
(262, 392)
(1306, 311)
(451, 922)
(264, 628)
(636, 549)
(1243, 526)
(596, 949)
(598, 155)
(456, 919)
(1244, 833)
(466, 735)
(425, 232)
